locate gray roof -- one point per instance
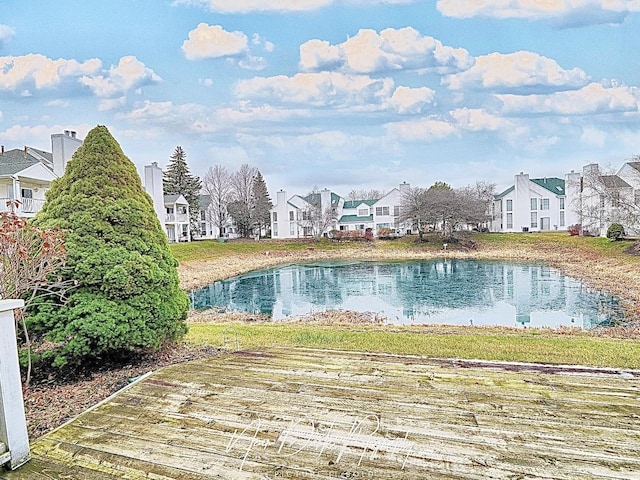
(614, 181)
(14, 161)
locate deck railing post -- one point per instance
(13, 426)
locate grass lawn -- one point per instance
(442, 342)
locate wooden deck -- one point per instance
(309, 414)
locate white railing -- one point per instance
(173, 218)
(13, 426)
(26, 205)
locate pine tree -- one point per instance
(262, 204)
(127, 297)
(177, 180)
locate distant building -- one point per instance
(532, 205)
(26, 174)
(290, 215)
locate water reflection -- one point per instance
(456, 292)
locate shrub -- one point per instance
(574, 230)
(615, 232)
(127, 296)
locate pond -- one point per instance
(443, 291)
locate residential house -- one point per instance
(609, 198)
(207, 227)
(26, 174)
(177, 223)
(532, 205)
(290, 217)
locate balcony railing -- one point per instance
(26, 205)
(176, 218)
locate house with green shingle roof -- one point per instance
(533, 205)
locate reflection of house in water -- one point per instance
(438, 291)
(545, 295)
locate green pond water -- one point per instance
(456, 292)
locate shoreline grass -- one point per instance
(469, 343)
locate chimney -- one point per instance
(25, 151)
(66, 132)
(2, 150)
(73, 134)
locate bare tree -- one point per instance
(605, 198)
(365, 194)
(217, 186)
(316, 218)
(446, 209)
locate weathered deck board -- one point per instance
(321, 415)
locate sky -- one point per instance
(339, 94)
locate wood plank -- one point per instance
(316, 414)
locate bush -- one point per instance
(574, 230)
(127, 297)
(615, 232)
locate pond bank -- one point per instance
(616, 276)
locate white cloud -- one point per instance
(6, 34)
(591, 99)
(567, 12)
(317, 89)
(35, 70)
(475, 120)
(213, 41)
(28, 134)
(247, 6)
(411, 100)
(130, 73)
(391, 49)
(207, 82)
(111, 103)
(498, 71)
(423, 130)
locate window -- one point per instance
(203, 229)
(363, 212)
(382, 210)
(183, 210)
(291, 216)
(509, 219)
(27, 193)
(169, 210)
(562, 219)
(601, 201)
(534, 219)
(292, 228)
(305, 215)
(275, 216)
(203, 215)
(275, 229)
(509, 205)
(534, 204)
(562, 204)
(396, 211)
(544, 204)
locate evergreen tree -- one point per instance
(127, 296)
(262, 203)
(178, 181)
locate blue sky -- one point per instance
(343, 94)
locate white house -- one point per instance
(604, 199)
(26, 174)
(532, 205)
(289, 216)
(207, 227)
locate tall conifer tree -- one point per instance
(262, 203)
(127, 296)
(177, 180)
